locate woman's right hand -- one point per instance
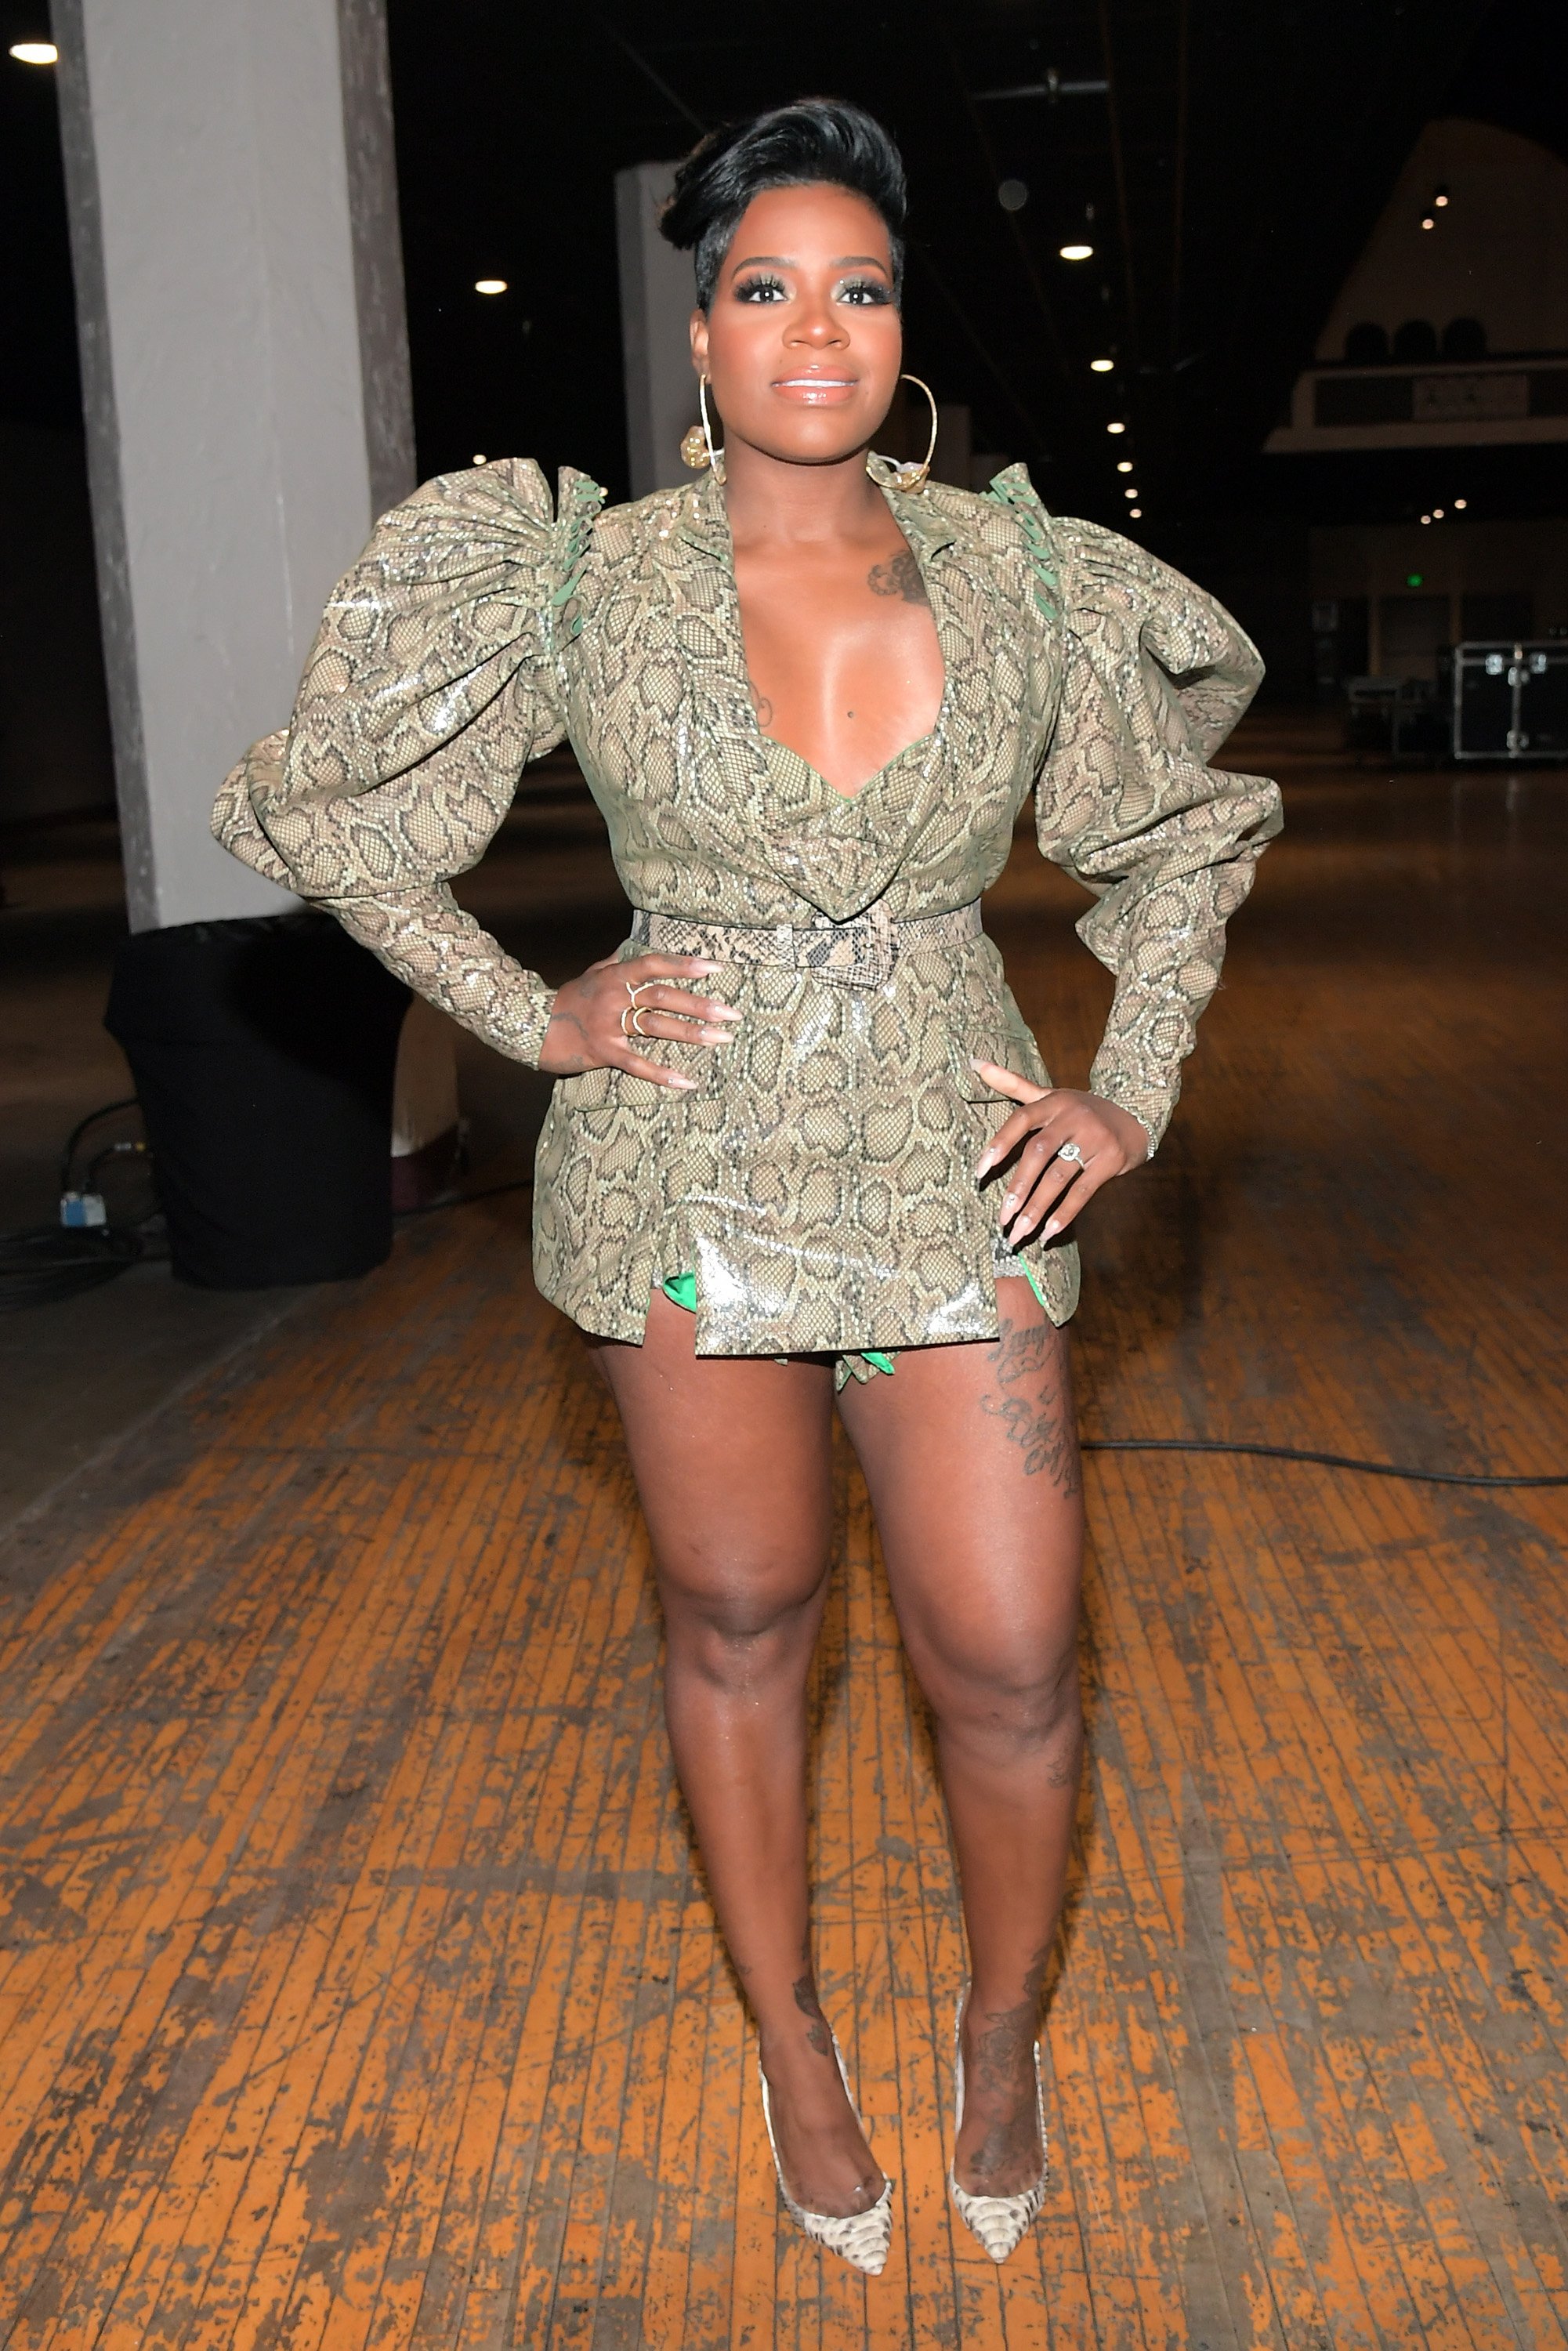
(590, 1027)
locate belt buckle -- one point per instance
(861, 954)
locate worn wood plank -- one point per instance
(359, 1989)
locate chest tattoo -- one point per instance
(899, 576)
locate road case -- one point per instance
(1510, 701)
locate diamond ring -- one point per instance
(1070, 1151)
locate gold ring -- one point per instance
(634, 1009)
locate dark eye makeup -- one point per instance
(761, 286)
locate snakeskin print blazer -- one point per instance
(819, 1181)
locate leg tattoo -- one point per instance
(1001, 2066)
(1037, 1421)
(806, 2000)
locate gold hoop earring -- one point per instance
(697, 450)
(887, 473)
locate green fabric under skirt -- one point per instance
(681, 1289)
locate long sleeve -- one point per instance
(1155, 675)
(430, 686)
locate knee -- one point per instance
(734, 1630)
(1026, 1698)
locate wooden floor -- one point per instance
(357, 1984)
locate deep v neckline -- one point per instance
(776, 742)
(921, 743)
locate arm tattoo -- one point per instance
(577, 1059)
(1038, 1420)
(760, 704)
(899, 576)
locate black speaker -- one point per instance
(263, 1052)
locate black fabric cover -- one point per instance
(263, 1054)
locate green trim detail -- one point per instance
(681, 1289)
(1014, 490)
(574, 529)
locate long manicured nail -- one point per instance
(988, 1160)
(1054, 1225)
(686, 1085)
(726, 1012)
(1008, 1205)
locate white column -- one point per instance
(657, 298)
(239, 295)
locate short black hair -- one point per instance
(816, 139)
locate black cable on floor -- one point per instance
(1157, 1444)
(1293, 1453)
(49, 1263)
(1164, 1444)
(42, 1267)
(69, 1155)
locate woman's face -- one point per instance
(802, 340)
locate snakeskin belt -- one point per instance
(859, 954)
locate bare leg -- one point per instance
(971, 1457)
(732, 1462)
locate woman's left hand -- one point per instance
(1102, 1142)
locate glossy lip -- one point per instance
(817, 390)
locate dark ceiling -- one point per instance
(1229, 173)
(1234, 163)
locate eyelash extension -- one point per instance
(865, 293)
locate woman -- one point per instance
(802, 1137)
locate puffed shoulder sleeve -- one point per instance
(1155, 675)
(431, 685)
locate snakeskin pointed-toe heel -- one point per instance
(998, 2221)
(860, 2237)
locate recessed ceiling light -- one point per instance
(1461, 502)
(1428, 222)
(1436, 513)
(489, 286)
(1116, 428)
(1012, 196)
(1077, 253)
(1425, 518)
(1102, 367)
(1441, 198)
(480, 458)
(34, 53)
(1123, 464)
(1129, 492)
(1136, 514)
